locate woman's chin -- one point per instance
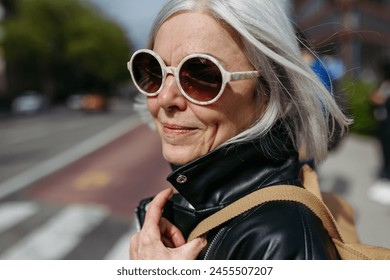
(179, 155)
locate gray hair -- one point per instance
(293, 93)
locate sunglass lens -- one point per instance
(147, 72)
(201, 79)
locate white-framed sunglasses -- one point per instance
(200, 78)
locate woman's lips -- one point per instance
(172, 129)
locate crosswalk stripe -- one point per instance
(12, 213)
(59, 235)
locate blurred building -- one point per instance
(358, 31)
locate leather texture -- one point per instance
(274, 230)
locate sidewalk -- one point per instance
(349, 171)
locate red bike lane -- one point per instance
(118, 175)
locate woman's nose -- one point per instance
(170, 96)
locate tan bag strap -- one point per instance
(310, 181)
(268, 194)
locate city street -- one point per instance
(350, 171)
(75, 198)
(69, 183)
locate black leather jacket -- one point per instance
(275, 230)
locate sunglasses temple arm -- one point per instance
(244, 75)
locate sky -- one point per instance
(134, 16)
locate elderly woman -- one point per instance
(232, 101)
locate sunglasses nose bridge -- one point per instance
(170, 70)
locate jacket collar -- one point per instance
(228, 173)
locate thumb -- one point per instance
(192, 249)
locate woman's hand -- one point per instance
(160, 239)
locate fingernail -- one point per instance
(202, 241)
(172, 192)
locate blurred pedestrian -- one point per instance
(380, 99)
(319, 68)
(314, 61)
(228, 92)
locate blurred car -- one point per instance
(29, 102)
(75, 101)
(88, 102)
(5, 106)
(94, 103)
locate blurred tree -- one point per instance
(359, 105)
(59, 47)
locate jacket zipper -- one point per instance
(215, 239)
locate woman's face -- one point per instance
(187, 130)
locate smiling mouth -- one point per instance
(170, 129)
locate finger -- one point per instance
(155, 207)
(133, 247)
(171, 232)
(167, 242)
(191, 250)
